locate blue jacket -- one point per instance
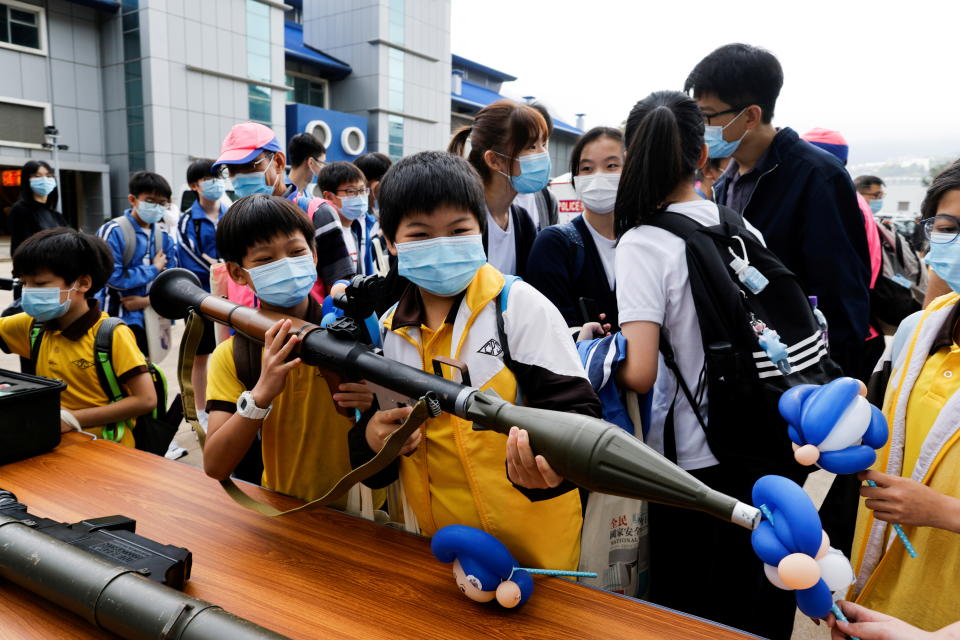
(135, 278)
(191, 249)
(806, 207)
(371, 229)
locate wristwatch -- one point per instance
(247, 408)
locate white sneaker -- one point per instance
(175, 452)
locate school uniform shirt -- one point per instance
(458, 475)
(606, 249)
(197, 235)
(654, 286)
(135, 278)
(304, 438)
(922, 407)
(68, 354)
(333, 262)
(351, 242)
(501, 245)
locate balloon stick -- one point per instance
(557, 572)
(765, 510)
(839, 614)
(900, 532)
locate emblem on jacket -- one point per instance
(82, 364)
(491, 348)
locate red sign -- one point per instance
(11, 178)
(570, 206)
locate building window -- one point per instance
(258, 61)
(395, 137)
(22, 122)
(22, 27)
(395, 61)
(133, 85)
(395, 21)
(307, 91)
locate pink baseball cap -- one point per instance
(245, 142)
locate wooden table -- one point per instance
(322, 574)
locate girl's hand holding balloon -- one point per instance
(906, 501)
(867, 624)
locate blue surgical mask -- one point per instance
(717, 147)
(944, 258)
(876, 205)
(534, 172)
(286, 282)
(353, 207)
(212, 189)
(150, 212)
(441, 266)
(43, 303)
(246, 184)
(42, 186)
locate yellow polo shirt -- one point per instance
(68, 355)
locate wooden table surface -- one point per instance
(321, 574)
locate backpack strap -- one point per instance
(502, 300)
(103, 359)
(248, 360)
(669, 429)
(676, 223)
(36, 337)
(575, 240)
(129, 239)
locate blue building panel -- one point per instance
(300, 116)
(476, 97)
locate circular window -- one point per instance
(320, 130)
(353, 141)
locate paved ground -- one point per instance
(816, 485)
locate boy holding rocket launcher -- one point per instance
(501, 335)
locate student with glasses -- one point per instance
(345, 190)
(253, 160)
(140, 249)
(918, 472)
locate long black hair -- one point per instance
(946, 180)
(664, 137)
(28, 171)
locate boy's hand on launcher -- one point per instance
(354, 395)
(383, 423)
(273, 372)
(525, 469)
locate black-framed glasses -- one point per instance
(941, 229)
(708, 116)
(352, 193)
(227, 169)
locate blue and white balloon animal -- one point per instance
(833, 425)
(795, 550)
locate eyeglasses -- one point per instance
(878, 195)
(163, 203)
(352, 193)
(708, 116)
(226, 170)
(941, 229)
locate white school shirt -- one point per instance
(607, 249)
(651, 267)
(351, 242)
(529, 203)
(501, 246)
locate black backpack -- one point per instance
(902, 281)
(153, 431)
(743, 384)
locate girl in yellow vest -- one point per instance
(432, 216)
(918, 472)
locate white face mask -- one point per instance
(598, 191)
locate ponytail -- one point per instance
(459, 141)
(664, 138)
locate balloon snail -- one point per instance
(795, 550)
(484, 568)
(834, 427)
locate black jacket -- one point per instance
(27, 217)
(564, 272)
(806, 207)
(523, 236)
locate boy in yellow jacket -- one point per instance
(509, 339)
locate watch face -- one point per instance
(243, 404)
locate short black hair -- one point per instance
(66, 253)
(946, 180)
(199, 169)
(302, 147)
(594, 134)
(149, 182)
(373, 165)
(259, 218)
(865, 182)
(740, 75)
(546, 116)
(335, 174)
(424, 181)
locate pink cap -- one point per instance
(245, 142)
(826, 136)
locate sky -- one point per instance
(882, 73)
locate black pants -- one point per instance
(141, 335)
(706, 567)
